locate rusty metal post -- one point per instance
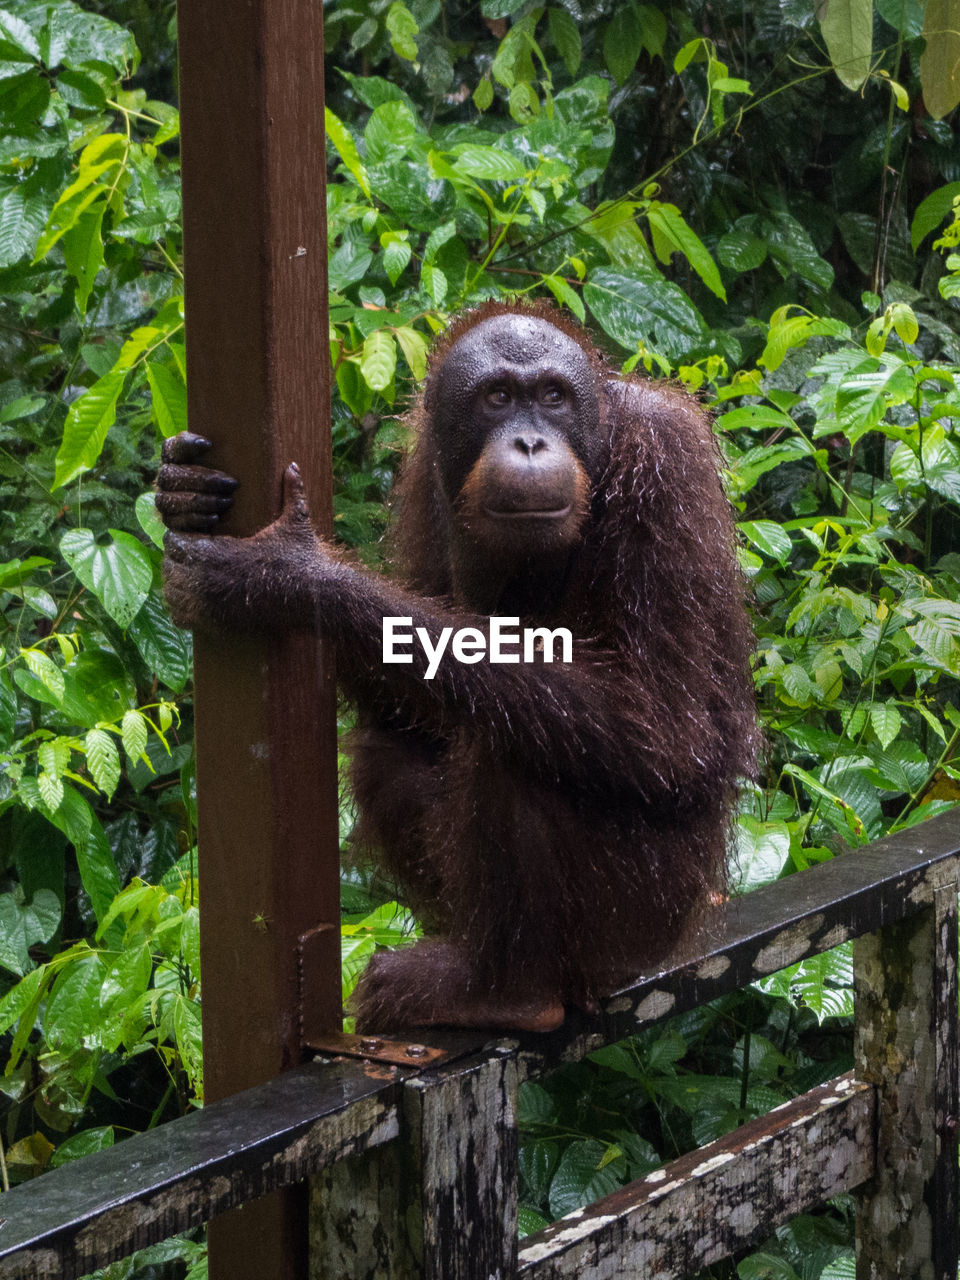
(251, 87)
(906, 1044)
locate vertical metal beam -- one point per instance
(440, 1203)
(906, 1044)
(251, 87)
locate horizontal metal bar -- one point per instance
(718, 1199)
(152, 1185)
(750, 937)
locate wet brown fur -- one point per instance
(571, 832)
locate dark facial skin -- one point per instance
(516, 417)
(554, 825)
(514, 374)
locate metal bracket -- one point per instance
(398, 1053)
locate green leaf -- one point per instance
(148, 518)
(483, 94)
(796, 685)
(73, 1011)
(865, 395)
(378, 363)
(46, 671)
(566, 296)
(886, 720)
(529, 1221)
(435, 283)
(762, 851)
(582, 1177)
(765, 1266)
(941, 464)
(692, 51)
(414, 348)
(103, 760)
(396, 255)
(389, 132)
(18, 1000)
(169, 393)
(771, 538)
(940, 60)
(98, 870)
(672, 234)
(89, 419)
(905, 324)
(22, 925)
(938, 643)
(126, 979)
(931, 212)
(81, 90)
(96, 688)
(187, 1031)
(488, 162)
(23, 213)
(844, 1268)
(134, 734)
(78, 198)
(644, 307)
(437, 238)
(741, 250)
(119, 574)
(847, 27)
(165, 649)
(16, 32)
(83, 253)
(848, 822)
(55, 755)
(81, 1144)
(792, 250)
(565, 35)
(623, 41)
(346, 148)
(654, 24)
(829, 678)
(402, 27)
(77, 36)
(756, 417)
(824, 983)
(51, 790)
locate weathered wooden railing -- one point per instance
(412, 1148)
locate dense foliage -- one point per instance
(702, 188)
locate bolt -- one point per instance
(370, 1046)
(415, 1051)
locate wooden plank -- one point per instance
(944, 1194)
(440, 1203)
(906, 1044)
(717, 1200)
(92, 1212)
(463, 1123)
(778, 925)
(251, 90)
